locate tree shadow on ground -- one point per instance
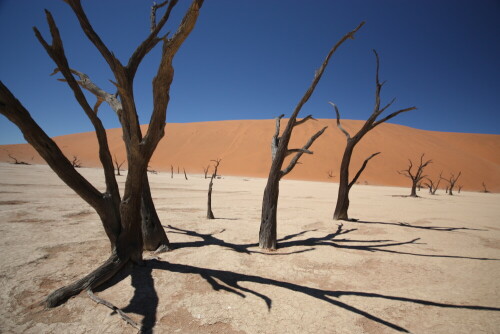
(231, 282)
(328, 240)
(433, 228)
(210, 239)
(145, 299)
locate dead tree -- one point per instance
(432, 186)
(155, 238)
(171, 171)
(280, 150)
(451, 182)
(460, 188)
(76, 162)
(205, 170)
(185, 175)
(415, 176)
(120, 216)
(342, 207)
(118, 165)
(17, 162)
(330, 174)
(210, 214)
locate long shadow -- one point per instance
(145, 299)
(432, 228)
(375, 246)
(328, 240)
(230, 281)
(210, 239)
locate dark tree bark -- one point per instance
(415, 176)
(205, 170)
(120, 216)
(76, 162)
(118, 165)
(17, 162)
(210, 214)
(342, 207)
(280, 150)
(451, 182)
(153, 234)
(432, 185)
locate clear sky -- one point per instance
(253, 59)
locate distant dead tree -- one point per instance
(432, 185)
(280, 150)
(178, 170)
(330, 174)
(210, 214)
(171, 171)
(205, 170)
(118, 165)
(18, 162)
(451, 181)
(76, 162)
(120, 216)
(460, 188)
(152, 171)
(341, 209)
(415, 176)
(185, 175)
(484, 188)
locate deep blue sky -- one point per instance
(253, 59)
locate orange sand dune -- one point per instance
(244, 147)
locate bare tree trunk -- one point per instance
(280, 150)
(268, 225)
(185, 175)
(171, 171)
(210, 214)
(341, 209)
(121, 218)
(153, 234)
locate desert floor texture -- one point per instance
(425, 265)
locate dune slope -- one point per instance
(244, 147)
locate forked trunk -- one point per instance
(268, 233)
(153, 235)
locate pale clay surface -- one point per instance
(375, 276)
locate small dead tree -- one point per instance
(280, 150)
(330, 174)
(460, 188)
(120, 217)
(451, 181)
(76, 162)
(205, 170)
(210, 214)
(432, 185)
(118, 165)
(171, 171)
(185, 175)
(485, 190)
(18, 162)
(342, 207)
(415, 176)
